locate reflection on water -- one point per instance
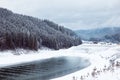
(43, 69)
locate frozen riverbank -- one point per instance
(98, 54)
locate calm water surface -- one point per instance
(43, 69)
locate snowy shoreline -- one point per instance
(98, 54)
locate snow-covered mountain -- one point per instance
(21, 31)
(109, 34)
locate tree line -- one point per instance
(21, 31)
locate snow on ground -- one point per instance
(100, 55)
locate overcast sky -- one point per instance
(74, 14)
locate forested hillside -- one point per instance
(21, 31)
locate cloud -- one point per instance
(74, 14)
(112, 22)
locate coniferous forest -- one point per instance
(21, 31)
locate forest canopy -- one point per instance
(21, 31)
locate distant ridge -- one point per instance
(107, 34)
(21, 31)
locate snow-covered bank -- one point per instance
(98, 54)
(101, 57)
(22, 56)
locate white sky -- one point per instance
(74, 14)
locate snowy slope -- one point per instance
(99, 55)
